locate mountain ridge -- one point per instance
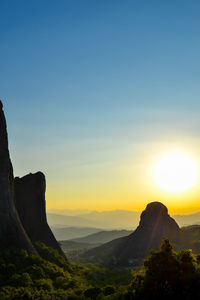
(102, 237)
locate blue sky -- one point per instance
(94, 82)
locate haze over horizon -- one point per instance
(77, 212)
(96, 92)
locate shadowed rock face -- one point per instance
(11, 230)
(22, 203)
(31, 207)
(155, 223)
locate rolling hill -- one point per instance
(103, 236)
(69, 233)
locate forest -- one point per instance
(165, 273)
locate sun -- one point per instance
(175, 172)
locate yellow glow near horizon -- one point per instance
(175, 172)
(127, 183)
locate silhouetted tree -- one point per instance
(168, 274)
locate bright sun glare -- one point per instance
(175, 172)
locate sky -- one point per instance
(96, 91)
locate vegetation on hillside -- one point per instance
(191, 237)
(165, 273)
(50, 276)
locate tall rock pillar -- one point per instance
(31, 206)
(12, 232)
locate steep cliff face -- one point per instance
(155, 223)
(22, 203)
(11, 230)
(31, 207)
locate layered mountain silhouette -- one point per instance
(22, 203)
(102, 237)
(155, 223)
(106, 220)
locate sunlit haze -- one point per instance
(175, 172)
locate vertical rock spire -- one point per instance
(31, 206)
(12, 232)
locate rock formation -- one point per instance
(11, 230)
(155, 223)
(31, 207)
(22, 204)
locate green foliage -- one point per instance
(45, 284)
(50, 276)
(165, 274)
(23, 279)
(62, 282)
(92, 293)
(108, 290)
(168, 274)
(23, 274)
(52, 255)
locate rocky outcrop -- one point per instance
(22, 204)
(12, 232)
(31, 206)
(155, 223)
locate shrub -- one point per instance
(92, 293)
(45, 284)
(108, 290)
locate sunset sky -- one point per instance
(95, 92)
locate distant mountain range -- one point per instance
(103, 236)
(155, 223)
(69, 246)
(76, 247)
(69, 233)
(186, 220)
(116, 219)
(69, 212)
(71, 221)
(87, 234)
